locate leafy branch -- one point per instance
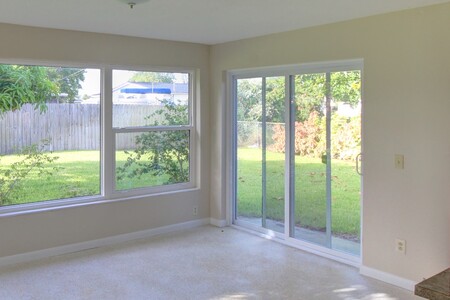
(34, 160)
(161, 153)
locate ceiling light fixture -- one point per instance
(133, 3)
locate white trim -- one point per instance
(217, 222)
(191, 128)
(303, 68)
(388, 278)
(362, 182)
(287, 155)
(113, 240)
(287, 71)
(258, 230)
(137, 129)
(229, 141)
(108, 141)
(90, 65)
(269, 234)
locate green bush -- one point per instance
(346, 137)
(33, 160)
(161, 153)
(310, 139)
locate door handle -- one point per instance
(358, 159)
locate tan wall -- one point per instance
(406, 110)
(36, 231)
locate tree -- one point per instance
(310, 100)
(37, 85)
(153, 77)
(275, 99)
(68, 80)
(20, 85)
(249, 100)
(309, 95)
(161, 153)
(310, 91)
(346, 87)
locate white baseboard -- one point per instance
(218, 223)
(45, 253)
(388, 278)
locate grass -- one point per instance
(310, 191)
(80, 176)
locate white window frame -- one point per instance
(107, 142)
(231, 184)
(133, 129)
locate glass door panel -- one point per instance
(274, 153)
(260, 152)
(310, 204)
(345, 147)
(249, 151)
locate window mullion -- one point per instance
(108, 135)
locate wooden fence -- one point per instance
(67, 126)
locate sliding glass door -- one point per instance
(297, 139)
(260, 168)
(327, 142)
(308, 151)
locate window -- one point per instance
(55, 144)
(49, 133)
(152, 126)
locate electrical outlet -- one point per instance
(400, 246)
(195, 210)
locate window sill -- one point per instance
(53, 205)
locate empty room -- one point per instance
(205, 149)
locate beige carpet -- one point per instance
(201, 263)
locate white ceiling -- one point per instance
(200, 21)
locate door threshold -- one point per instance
(338, 256)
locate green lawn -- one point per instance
(310, 192)
(79, 175)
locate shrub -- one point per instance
(310, 140)
(34, 160)
(161, 153)
(308, 137)
(346, 137)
